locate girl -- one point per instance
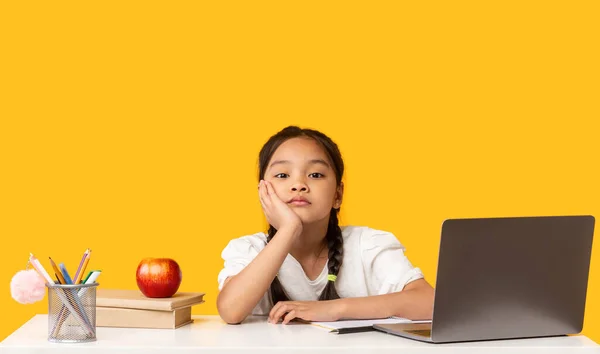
(308, 267)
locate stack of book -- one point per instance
(130, 308)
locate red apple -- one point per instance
(158, 277)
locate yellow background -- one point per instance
(134, 128)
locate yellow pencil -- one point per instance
(58, 273)
(85, 262)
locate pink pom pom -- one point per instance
(27, 287)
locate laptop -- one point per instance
(507, 278)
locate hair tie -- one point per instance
(331, 277)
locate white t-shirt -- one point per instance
(373, 264)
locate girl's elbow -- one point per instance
(231, 319)
(228, 313)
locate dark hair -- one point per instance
(334, 233)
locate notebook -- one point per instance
(352, 326)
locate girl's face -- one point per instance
(304, 178)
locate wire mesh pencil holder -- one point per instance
(72, 313)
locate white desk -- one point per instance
(208, 334)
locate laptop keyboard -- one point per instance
(420, 332)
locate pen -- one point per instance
(40, 269)
(91, 279)
(84, 280)
(355, 329)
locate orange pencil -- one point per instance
(85, 262)
(58, 273)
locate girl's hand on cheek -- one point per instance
(277, 212)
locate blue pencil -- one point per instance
(63, 269)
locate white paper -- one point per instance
(334, 326)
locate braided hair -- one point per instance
(333, 236)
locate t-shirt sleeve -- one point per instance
(238, 254)
(387, 269)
